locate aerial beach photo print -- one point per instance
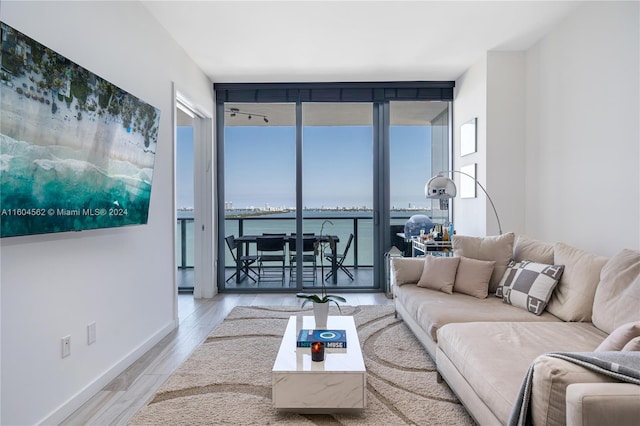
(76, 151)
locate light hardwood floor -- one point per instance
(118, 402)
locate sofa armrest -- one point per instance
(551, 377)
(592, 404)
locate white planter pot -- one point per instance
(321, 312)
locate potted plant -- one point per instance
(321, 301)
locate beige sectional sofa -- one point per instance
(483, 347)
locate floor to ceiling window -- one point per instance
(337, 185)
(338, 164)
(418, 149)
(185, 204)
(259, 185)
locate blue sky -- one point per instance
(184, 167)
(337, 166)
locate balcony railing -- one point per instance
(341, 226)
(360, 254)
(184, 242)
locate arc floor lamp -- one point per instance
(442, 188)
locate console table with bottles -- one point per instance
(421, 247)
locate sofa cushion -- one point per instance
(527, 248)
(618, 294)
(498, 248)
(439, 273)
(473, 277)
(494, 357)
(573, 297)
(433, 309)
(531, 285)
(620, 337)
(632, 345)
(406, 269)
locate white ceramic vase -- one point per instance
(321, 312)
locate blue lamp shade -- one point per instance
(440, 187)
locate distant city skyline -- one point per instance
(229, 206)
(337, 167)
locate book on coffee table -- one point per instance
(336, 339)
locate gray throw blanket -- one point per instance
(623, 366)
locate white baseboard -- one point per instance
(76, 401)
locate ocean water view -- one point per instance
(332, 222)
(338, 190)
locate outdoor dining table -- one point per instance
(245, 240)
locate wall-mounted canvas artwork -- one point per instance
(76, 151)
(468, 181)
(468, 137)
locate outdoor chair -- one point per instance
(245, 260)
(399, 242)
(340, 260)
(309, 265)
(271, 250)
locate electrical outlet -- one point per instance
(91, 333)
(66, 346)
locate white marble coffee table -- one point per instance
(336, 384)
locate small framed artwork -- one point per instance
(468, 137)
(468, 181)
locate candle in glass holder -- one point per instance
(317, 351)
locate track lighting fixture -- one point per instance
(233, 112)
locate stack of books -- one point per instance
(336, 339)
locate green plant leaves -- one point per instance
(318, 299)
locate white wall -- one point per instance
(469, 214)
(492, 90)
(54, 285)
(559, 133)
(505, 135)
(583, 137)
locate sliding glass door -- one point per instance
(419, 148)
(341, 166)
(259, 189)
(337, 188)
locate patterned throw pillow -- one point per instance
(530, 284)
(507, 278)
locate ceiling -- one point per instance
(407, 113)
(323, 41)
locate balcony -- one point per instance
(359, 258)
